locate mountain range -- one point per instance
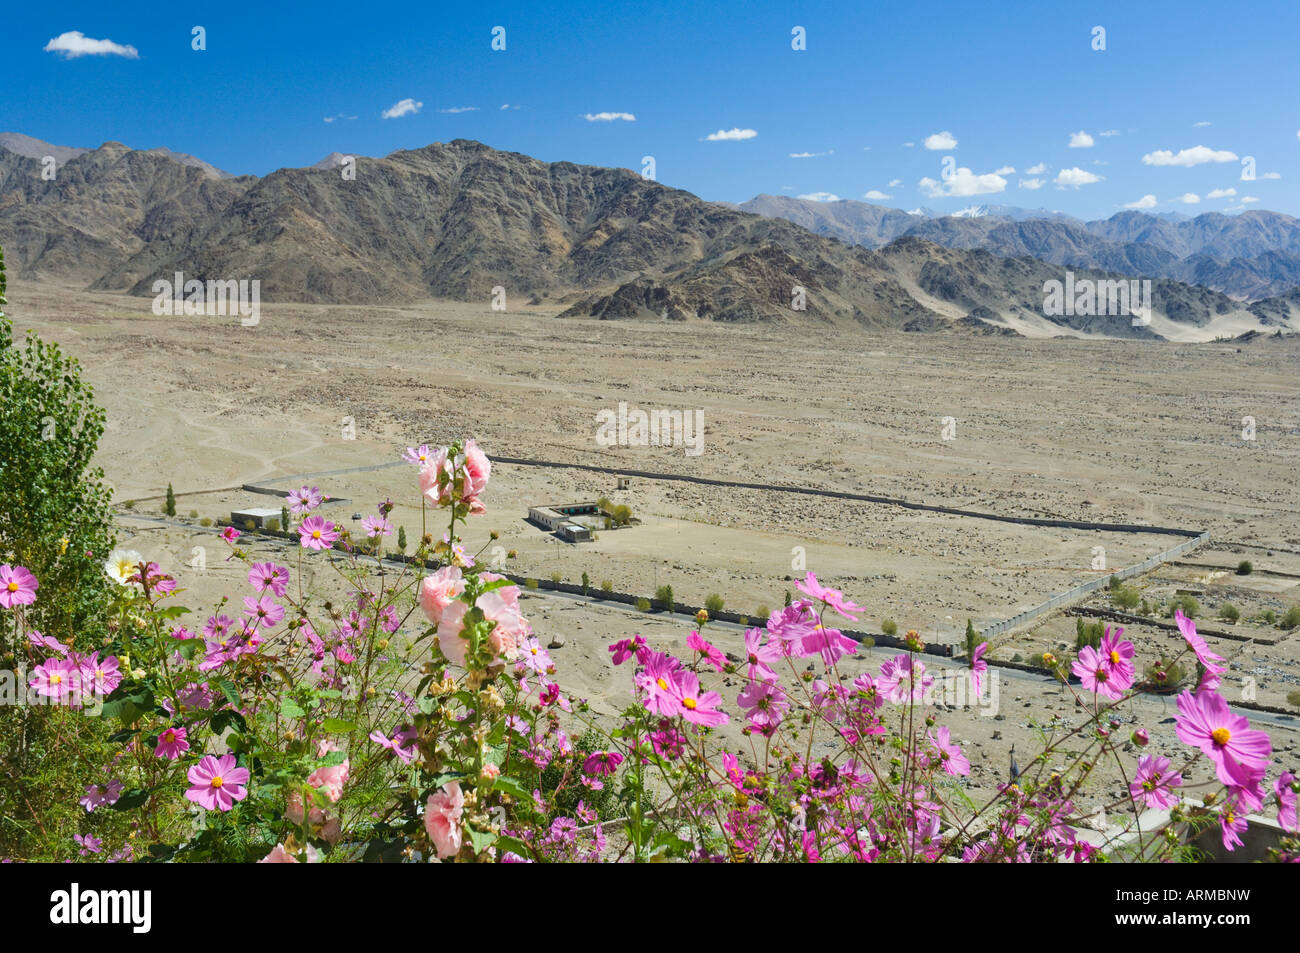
(460, 219)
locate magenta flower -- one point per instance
(1232, 823)
(902, 680)
(978, 667)
(1118, 656)
(699, 708)
(420, 456)
(56, 678)
(89, 844)
(265, 576)
(1285, 789)
(656, 680)
(305, 499)
(766, 703)
(696, 643)
(171, 743)
(216, 783)
(532, 657)
(264, 609)
(1154, 783)
(376, 526)
(401, 744)
(602, 763)
(1200, 647)
(624, 649)
(762, 657)
(832, 597)
(230, 534)
(17, 586)
(951, 757)
(1240, 754)
(1097, 675)
(316, 533)
(830, 644)
(99, 795)
(791, 624)
(100, 678)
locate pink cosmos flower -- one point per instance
(265, 576)
(439, 590)
(171, 743)
(1118, 654)
(1095, 672)
(830, 644)
(56, 678)
(316, 533)
(230, 534)
(1154, 783)
(401, 744)
(1285, 789)
(100, 677)
(305, 499)
(624, 649)
(791, 624)
(656, 680)
(420, 456)
(832, 597)
(602, 763)
(902, 679)
(1200, 647)
(766, 703)
(47, 642)
(100, 795)
(1240, 754)
(1232, 822)
(533, 658)
(696, 643)
(951, 757)
(89, 844)
(264, 609)
(376, 526)
(762, 657)
(978, 667)
(17, 586)
(216, 783)
(699, 708)
(442, 819)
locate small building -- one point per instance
(572, 532)
(554, 516)
(260, 516)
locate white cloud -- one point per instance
(1109, 132)
(725, 135)
(963, 183)
(1036, 169)
(1005, 170)
(1188, 198)
(1073, 178)
(74, 43)
(338, 116)
(405, 107)
(1247, 199)
(1200, 125)
(876, 194)
(908, 145)
(1031, 184)
(1197, 155)
(941, 141)
(1147, 201)
(820, 197)
(1271, 175)
(1220, 193)
(459, 109)
(508, 106)
(609, 117)
(1080, 140)
(811, 155)
(895, 183)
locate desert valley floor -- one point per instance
(1115, 431)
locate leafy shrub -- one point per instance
(557, 577)
(531, 583)
(1293, 699)
(1244, 568)
(1125, 597)
(1187, 603)
(273, 525)
(889, 627)
(664, 597)
(1229, 613)
(1164, 676)
(763, 612)
(169, 507)
(206, 521)
(1291, 619)
(1087, 633)
(1268, 617)
(714, 603)
(194, 514)
(643, 604)
(607, 585)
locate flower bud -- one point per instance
(1141, 738)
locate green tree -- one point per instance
(54, 505)
(664, 596)
(586, 583)
(401, 539)
(972, 639)
(284, 518)
(170, 506)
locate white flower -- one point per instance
(122, 565)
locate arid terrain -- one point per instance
(1117, 431)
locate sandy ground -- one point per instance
(1112, 431)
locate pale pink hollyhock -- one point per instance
(332, 778)
(434, 478)
(509, 593)
(171, 743)
(442, 819)
(438, 590)
(17, 586)
(279, 855)
(449, 629)
(477, 469)
(216, 783)
(1240, 753)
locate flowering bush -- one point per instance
(422, 720)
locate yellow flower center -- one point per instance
(56, 679)
(662, 683)
(169, 736)
(690, 703)
(217, 781)
(315, 534)
(13, 586)
(1114, 657)
(1221, 736)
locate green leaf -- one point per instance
(515, 789)
(291, 709)
(132, 799)
(188, 647)
(480, 840)
(338, 726)
(231, 692)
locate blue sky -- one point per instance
(1181, 94)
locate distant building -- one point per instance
(572, 522)
(260, 517)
